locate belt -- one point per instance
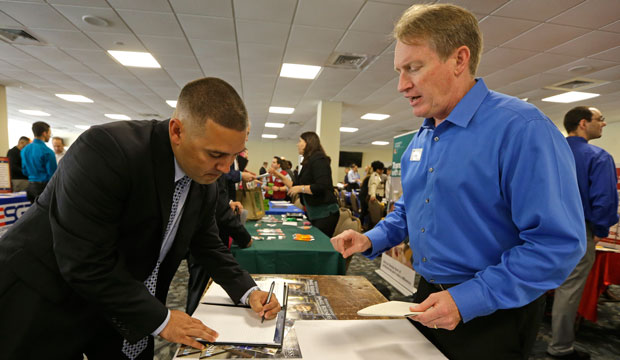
(439, 286)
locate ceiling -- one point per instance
(528, 44)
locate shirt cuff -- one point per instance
(162, 326)
(378, 244)
(246, 297)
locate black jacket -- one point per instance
(318, 174)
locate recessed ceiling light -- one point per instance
(83, 127)
(135, 58)
(299, 71)
(525, 99)
(95, 20)
(34, 112)
(117, 116)
(371, 116)
(380, 142)
(348, 129)
(74, 98)
(281, 110)
(569, 97)
(274, 125)
(269, 136)
(172, 103)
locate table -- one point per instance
(12, 207)
(605, 271)
(279, 210)
(290, 256)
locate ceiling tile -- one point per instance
(497, 30)
(117, 41)
(219, 8)
(340, 15)
(36, 15)
(7, 21)
(254, 32)
(378, 17)
(358, 42)
(613, 27)
(280, 11)
(503, 57)
(535, 9)
(591, 43)
(314, 38)
(151, 23)
(183, 76)
(477, 6)
(582, 67)
(146, 5)
(65, 39)
(160, 45)
(600, 12)
(208, 28)
(611, 54)
(544, 37)
(540, 63)
(75, 13)
(306, 57)
(89, 3)
(178, 62)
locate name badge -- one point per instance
(416, 155)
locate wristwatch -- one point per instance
(303, 189)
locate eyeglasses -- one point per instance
(601, 119)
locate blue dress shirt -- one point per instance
(597, 179)
(490, 202)
(38, 161)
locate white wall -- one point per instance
(371, 153)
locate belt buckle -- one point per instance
(441, 286)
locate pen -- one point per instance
(273, 283)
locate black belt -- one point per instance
(439, 286)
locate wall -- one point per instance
(370, 154)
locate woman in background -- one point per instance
(314, 184)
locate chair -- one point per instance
(343, 197)
(347, 221)
(355, 204)
(375, 212)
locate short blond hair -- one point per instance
(447, 27)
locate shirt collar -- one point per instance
(178, 172)
(38, 141)
(464, 111)
(577, 138)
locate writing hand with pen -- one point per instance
(264, 304)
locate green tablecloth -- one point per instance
(290, 256)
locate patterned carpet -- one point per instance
(601, 339)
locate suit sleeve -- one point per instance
(321, 175)
(208, 250)
(85, 209)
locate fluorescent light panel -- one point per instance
(83, 127)
(348, 129)
(117, 116)
(34, 112)
(274, 125)
(269, 136)
(74, 98)
(380, 142)
(135, 59)
(371, 116)
(299, 71)
(569, 97)
(172, 103)
(281, 110)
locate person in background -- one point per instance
(263, 169)
(314, 184)
(597, 179)
(59, 148)
(353, 178)
(376, 187)
(388, 183)
(345, 182)
(19, 181)
(88, 267)
(275, 188)
(38, 161)
(490, 199)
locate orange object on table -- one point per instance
(605, 271)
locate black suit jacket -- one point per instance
(317, 173)
(94, 235)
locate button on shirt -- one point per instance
(597, 179)
(499, 214)
(38, 161)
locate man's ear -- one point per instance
(175, 128)
(462, 57)
(582, 123)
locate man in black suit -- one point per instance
(87, 268)
(19, 181)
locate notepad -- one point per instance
(390, 308)
(217, 295)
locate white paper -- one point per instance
(390, 308)
(363, 339)
(235, 324)
(280, 203)
(217, 295)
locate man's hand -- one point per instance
(183, 329)
(440, 311)
(350, 242)
(372, 198)
(236, 207)
(248, 176)
(257, 302)
(596, 239)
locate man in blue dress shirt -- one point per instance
(490, 200)
(38, 161)
(597, 179)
